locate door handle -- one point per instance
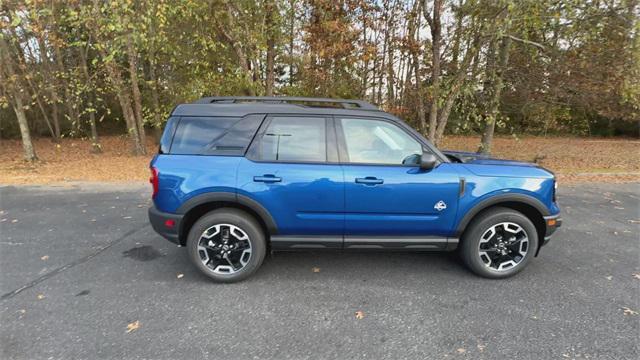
(267, 178)
(369, 180)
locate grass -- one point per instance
(572, 159)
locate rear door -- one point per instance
(386, 193)
(292, 170)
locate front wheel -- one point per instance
(227, 245)
(499, 243)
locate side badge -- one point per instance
(440, 205)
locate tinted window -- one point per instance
(294, 139)
(167, 134)
(237, 138)
(214, 135)
(379, 142)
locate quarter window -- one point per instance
(379, 142)
(297, 139)
(214, 135)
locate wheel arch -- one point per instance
(529, 206)
(201, 204)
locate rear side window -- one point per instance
(167, 135)
(294, 139)
(214, 135)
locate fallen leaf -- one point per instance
(126, 217)
(14, 221)
(618, 207)
(634, 221)
(461, 351)
(22, 311)
(359, 315)
(615, 233)
(609, 277)
(315, 269)
(481, 347)
(46, 257)
(637, 276)
(180, 276)
(40, 296)
(133, 326)
(627, 311)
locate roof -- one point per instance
(239, 106)
(344, 103)
(243, 109)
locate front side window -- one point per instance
(297, 139)
(379, 142)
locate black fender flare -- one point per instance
(497, 199)
(212, 197)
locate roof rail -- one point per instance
(347, 104)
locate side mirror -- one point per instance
(428, 161)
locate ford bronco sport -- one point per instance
(236, 177)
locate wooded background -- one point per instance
(83, 68)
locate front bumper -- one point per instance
(552, 224)
(166, 224)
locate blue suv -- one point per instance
(236, 177)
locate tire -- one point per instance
(494, 231)
(230, 224)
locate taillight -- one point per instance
(154, 181)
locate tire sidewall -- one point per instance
(233, 217)
(471, 240)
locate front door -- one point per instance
(387, 195)
(292, 170)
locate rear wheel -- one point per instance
(499, 243)
(227, 245)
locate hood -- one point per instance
(482, 159)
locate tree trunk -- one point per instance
(137, 97)
(365, 63)
(227, 32)
(271, 46)
(155, 99)
(95, 141)
(292, 19)
(414, 48)
(390, 59)
(496, 90)
(51, 88)
(68, 101)
(382, 67)
(18, 106)
(434, 24)
(27, 145)
(125, 103)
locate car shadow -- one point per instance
(346, 265)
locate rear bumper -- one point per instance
(552, 222)
(162, 222)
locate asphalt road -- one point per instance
(78, 264)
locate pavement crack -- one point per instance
(70, 265)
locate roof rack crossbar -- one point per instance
(345, 103)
